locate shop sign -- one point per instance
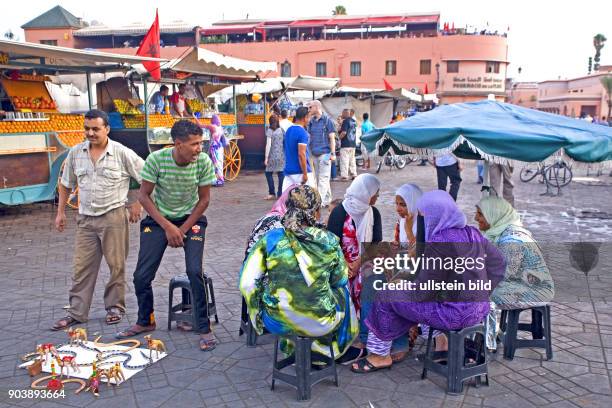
(4, 58)
(478, 83)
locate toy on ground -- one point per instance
(76, 335)
(68, 362)
(35, 368)
(93, 383)
(156, 345)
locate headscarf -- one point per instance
(279, 208)
(440, 212)
(499, 214)
(215, 120)
(410, 193)
(357, 204)
(302, 204)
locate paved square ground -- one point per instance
(35, 275)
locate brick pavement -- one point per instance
(35, 270)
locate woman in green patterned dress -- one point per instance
(295, 279)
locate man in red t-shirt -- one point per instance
(179, 103)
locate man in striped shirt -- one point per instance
(175, 192)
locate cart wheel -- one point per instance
(73, 197)
(233, 161)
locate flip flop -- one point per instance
(184, 326)
(113, 317)
(363, 363)
(64, 323)
(134, 331)
(208, 344)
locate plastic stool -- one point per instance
(305, 377)
(459, 362)
(540, 329)
(183, 311)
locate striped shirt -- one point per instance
(103, 186)
(176, 187)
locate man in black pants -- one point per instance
(181, 177)
(447, 166)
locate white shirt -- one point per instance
(285, 124)
(445, 160)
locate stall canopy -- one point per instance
(401, 93)
(204, 62)
(268, 85)
(49, 58)
(498, 132)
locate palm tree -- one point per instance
(598, 43)
(341, 11)
(607, 84)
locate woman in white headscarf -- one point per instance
(355, 222)
(406, 198)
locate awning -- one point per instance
(401, 93)
(344, 22)
(350, 89)
(269, 85)
(309, 83)
(229, 29)
(308, 23)
(434, 18)
(384, 20)
(204, 62)
(29, 55)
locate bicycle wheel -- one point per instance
(400, 162)
(529, 172)
(558, 175)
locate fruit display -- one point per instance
(196, 105)
(125, 107)
(134, 121)
(56, 122)
(33, 103)
(70, 139)
(254, 119)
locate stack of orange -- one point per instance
(134, 121)
(70, 139)
(159, 120)
(227, 119)
(254, 119)
(67, 122)
(25, 127)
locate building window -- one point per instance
(425, 67)
(390, 67)
(452, 66)
(492, 67)
(355, 68)
(321, 69)
(48, 42)
(286, 69)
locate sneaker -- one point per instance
(270, 197)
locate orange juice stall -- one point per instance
(35, 134)
(137, 125)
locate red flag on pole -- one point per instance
(149, 47)
(426, 90)
(388, 86)
(453, 27)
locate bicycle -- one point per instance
(558, 174)
(393, 160)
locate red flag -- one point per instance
(388, 86)
(149, 47)
(453, 27)
(426, 90)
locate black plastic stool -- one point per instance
(459, 362)
(247, 328)
(183, 311)
(305, 377)
(540, 329)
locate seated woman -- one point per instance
(395, 312)
(527, 281)
(406, 198)
(295, 279)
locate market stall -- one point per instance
(203, 72)
(256, 101)
(34, 134)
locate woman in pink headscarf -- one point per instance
(218, 142)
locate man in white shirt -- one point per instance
(285, 122)
(448, 167)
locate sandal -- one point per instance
(363, 363)
(399, 357)
(208, 344)
(64, 323)
(135, 330)
(184, 326)
(113, 316)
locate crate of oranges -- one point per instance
(25, 127)
(125, 107)
(69, 139)
(254, 119)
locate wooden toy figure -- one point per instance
(93, 384)
(54, 384)
(156, 345)
(35, 368)
(68, 362)
(76, 335)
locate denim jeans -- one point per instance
(270, 180)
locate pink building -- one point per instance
(54, 27)
(523, 94)
(575, 97)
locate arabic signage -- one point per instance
(478, 83)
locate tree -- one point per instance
(339, 11)
(598, 43)
(606, 81)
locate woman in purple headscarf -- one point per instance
(218, 142)
(446, 237)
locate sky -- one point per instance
(547, 39)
